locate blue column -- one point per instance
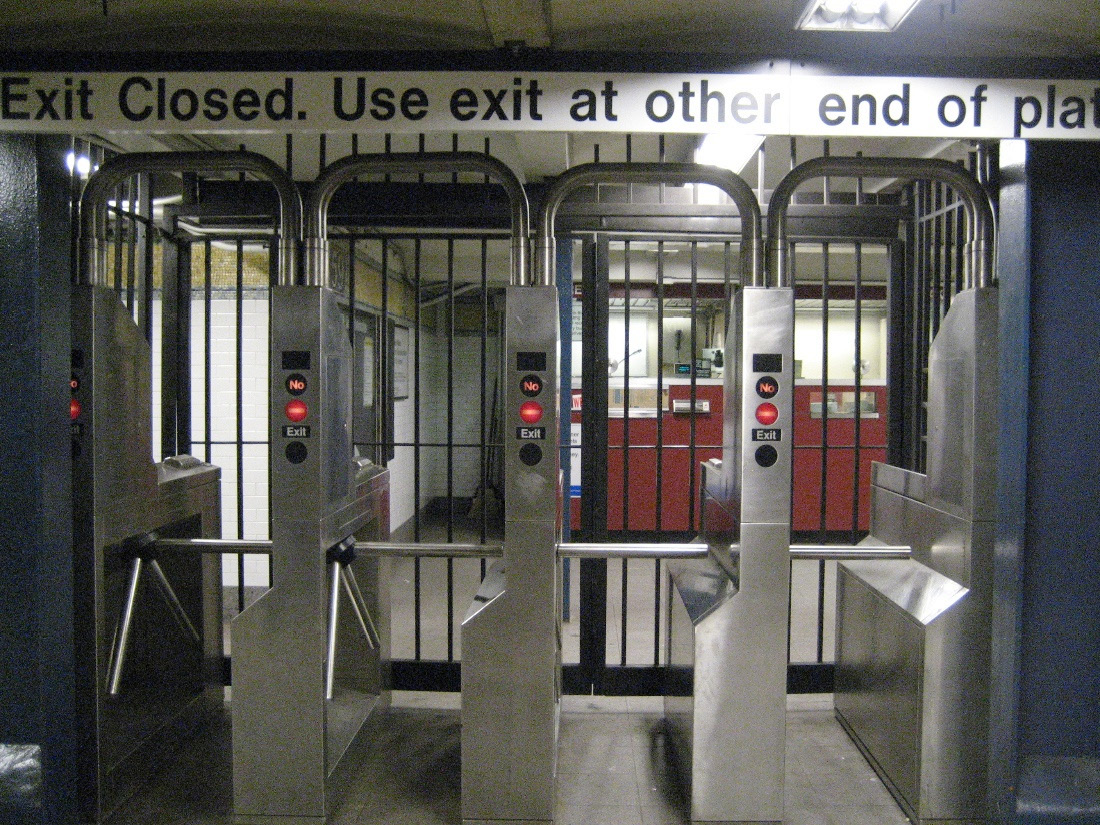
(1046, 717)
(37, 717)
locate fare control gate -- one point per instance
(148, 633)
(306, 679)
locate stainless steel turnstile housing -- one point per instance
(728, 617)
(292, 746)
(913, 637)
(511, 636)
(148, 625)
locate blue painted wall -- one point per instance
(36, 598)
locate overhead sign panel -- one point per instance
(780, 101)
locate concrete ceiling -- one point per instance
(937, 29)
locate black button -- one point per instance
(766, 455)
(530, 454)
(296, 452)
(530, 385)
(767, 387)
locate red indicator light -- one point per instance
(767, 414)
(530, 412)
(296, 410)
(74, 409)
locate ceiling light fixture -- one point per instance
(854, 15)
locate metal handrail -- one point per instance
(93, 202)
(339, 172)
(378, 549)
(586, 550)
(752, 271)
(837, 552)
(583, 550)
(980, 245)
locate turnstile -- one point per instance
(914, 635)
(511, 635)
(728, 626)
(304, 683)
(148, 665)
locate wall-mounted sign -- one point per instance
(783, 99)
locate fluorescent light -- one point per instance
(729, 151)
(855, 15)
(82, 165)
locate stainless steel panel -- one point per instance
(878, 681)
(290, 745)
(768, 329)
(164, 690)
(511, 637)
(962, 407)
(736, 602)
(913, 655)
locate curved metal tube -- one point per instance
(678, 174)
(341, 171)
(93, 202)
(980, 244)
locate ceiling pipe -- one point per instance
(100, 186)
(341, 171)
(980, 244)
(676, 174)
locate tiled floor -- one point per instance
(612, 771)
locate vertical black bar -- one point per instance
(147, 236)
(824, 508)
(484, 383)
(115, 217)
(416, 439)
(949, 270)
(660, 379)
(898, 377)
(207, 300)
(856, 475)
(450, 439)
(240, 418)
(385, 358)
(626, 396)
(76, 149)
(694, 378)
(626, 435)
(351, 293)
(290, 155)
(660, 439)
(593, 572)
(937, 260)
(960, 246)
(132, 186)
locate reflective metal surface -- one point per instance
(913, 636)
(511, 636)
(149, 667)
(292, 747)
(728, 619)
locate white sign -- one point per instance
(781, 101)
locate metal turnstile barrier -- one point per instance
(730, 740)
(305, 683)
(148, 637)
(914, 636)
